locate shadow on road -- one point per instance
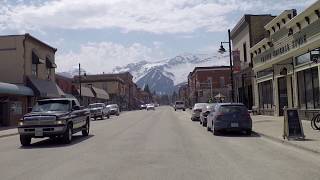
(238, 134)
(56, 142)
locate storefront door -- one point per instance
(283, 94)
(4, 114)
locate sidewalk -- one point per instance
(272, 127)
(8, 131)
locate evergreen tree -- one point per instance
(146, 89)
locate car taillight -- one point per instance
(219, 115)
(246, 115)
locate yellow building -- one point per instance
(286, 63)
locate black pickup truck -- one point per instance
(54, 118)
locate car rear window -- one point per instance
(179, 102)
(233, 109)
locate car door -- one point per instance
(78, 120)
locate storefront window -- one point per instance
(313, 55)
(303, 58)
(266, 94)
(308, 88)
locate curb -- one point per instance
(8, 135)
(287, 143)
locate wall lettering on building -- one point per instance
(297, 42)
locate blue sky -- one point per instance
(102, 34)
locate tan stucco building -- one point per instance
(27, 72)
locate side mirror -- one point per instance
(75, 108)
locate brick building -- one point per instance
(206, 82)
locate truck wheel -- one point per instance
(184, 109)
(67, 136)
(86, 129)
(175, 109)
(208, 128)
(25, 140)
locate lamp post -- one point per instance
(223, 50)
(80, 93)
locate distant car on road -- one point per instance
(99, 110)
(179, 105)
(205, 112)
(143, 106)
(150, 107)
(53, 118)
(114, 109)
(197, 109)
(229, 117)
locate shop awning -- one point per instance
(45, 88)
(100, 93)
(7, 88)
(85, 91)
(36, 59)
(50, 63)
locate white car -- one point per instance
(179, 105)
(114, 109)
(99, 110)
(150, 107)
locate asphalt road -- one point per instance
(160, 144)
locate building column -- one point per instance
(275, 96)
(289, 90)
(255, 92)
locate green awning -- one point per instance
(7, 88)
(100, 93)
(45, 88)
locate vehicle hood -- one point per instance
(49, 113)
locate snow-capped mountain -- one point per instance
(162, 76)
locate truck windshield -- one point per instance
(43, 106)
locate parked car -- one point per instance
(99, 110)
(143, 106)
(60, 117)
(150, 107)
(197, 109)
(205, 112)
(179, 105)
(229, 117)
(114, 109)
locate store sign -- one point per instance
(295, 43)
(298, 39)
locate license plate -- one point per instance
(234, 125)
(38, 132)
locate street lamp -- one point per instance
(223, 50)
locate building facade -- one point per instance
(27, 73)
(286, 63)
(247, 32)
(205, 83)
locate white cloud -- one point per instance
(104, 56)
(165, 16)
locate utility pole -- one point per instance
(80, 84)
(231, 67)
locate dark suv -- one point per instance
(60, 117)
